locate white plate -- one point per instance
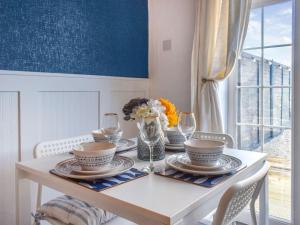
(234, 165)
(174, 145)
(65, 169)
(177, 149)
(185, 160)
(126, 144)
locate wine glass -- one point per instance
(186, 124)
(111, 127)
(150, 133)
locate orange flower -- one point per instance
(170, 111)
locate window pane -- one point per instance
(277, 64)
(287, 76)
(287, 107)
(249, 138)
(266, 72)
(248, 108)
(253, 38)
(249, 68)
(277, 106)
(279, 56)
(274, 70)
(276, 74)
(277, 24)
(278, 148)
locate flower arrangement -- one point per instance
(170, 111)
(132, 105)
(138, 108)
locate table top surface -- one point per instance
(167, 199)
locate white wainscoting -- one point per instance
(8, 153)
(36, 107)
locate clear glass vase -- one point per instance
(143, 152)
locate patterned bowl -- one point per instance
(204, 152)
(174, 136)
(94, 156)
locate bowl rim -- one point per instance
(80, 148)
(97, 132)
(172, 129)
(219, 144)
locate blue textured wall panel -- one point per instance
(101, 37)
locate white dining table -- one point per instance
(149, 200)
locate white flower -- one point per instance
(164, 121)
(159, 110)
(152, 108)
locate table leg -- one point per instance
(264, 203)
(22, 198)
(17, 196)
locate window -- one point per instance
(263, 97)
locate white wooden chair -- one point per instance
(51, 148)
(215, 136)
(238, 196)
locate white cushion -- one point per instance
(69, 210)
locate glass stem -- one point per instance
(151, 166)
(186, 137)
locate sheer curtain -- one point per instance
(220, 30)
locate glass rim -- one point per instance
(110, 114)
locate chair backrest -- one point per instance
(215, 136)
(237, 197)
(51, 148)
(59, 146)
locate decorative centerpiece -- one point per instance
(139, 108)
(173, 134)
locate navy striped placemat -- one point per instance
(200, 180)
(108, 182)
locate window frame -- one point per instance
(233, 124)
(232, 115)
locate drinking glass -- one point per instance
(150, 133)
(111, 127)
(186, 124)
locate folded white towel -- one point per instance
(70, 210)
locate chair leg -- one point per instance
(39, 196)
(253, 214)
(37, 218)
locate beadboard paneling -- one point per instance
(67, 114)
(8, 154)
(36, 107)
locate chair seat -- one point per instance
(68, 210)
(53, 221)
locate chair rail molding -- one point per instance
(37, 107)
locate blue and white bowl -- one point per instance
(204, 152)
(174, 136)
(94, 156)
